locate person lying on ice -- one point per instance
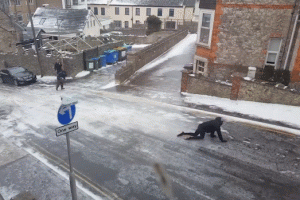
(206, 127)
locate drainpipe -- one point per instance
(291, 40)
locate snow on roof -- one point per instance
(97, 1)
(69, 20)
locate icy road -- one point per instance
(123, 133)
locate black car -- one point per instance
(17, 76)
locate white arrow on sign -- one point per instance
(63, 109)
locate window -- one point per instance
(137, 11)
(126, 11)
(170, 25)
(200, 65)
(159, 12)
(118, 24)
(171, 12)
(30, 1)
(95, 10)
(117, 10)
(89, 8)
(75, 2)
(126, 24)
(148, 11)
(17, 2)
(82, 0)
(137, 22)
(42, 21)
(273, 51)
(102, 11)
(205, 27)
(94, 22)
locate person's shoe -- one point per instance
(181, 134)
(62, 88)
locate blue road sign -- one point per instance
(66, 113)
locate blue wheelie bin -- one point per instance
(103, 60)
(111, 56)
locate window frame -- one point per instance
(201, 13)
(102, 11)
(127, 13)
(18, 2)
(75, 2)
(137, 11)
(277, 52)
(119, 23)
(161, 14)
(126, 22)
(171, 9)
(42, 21)
(117, 9)
(96, 11)
(148, 9)
(205, 67)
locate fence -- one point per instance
(138, 59)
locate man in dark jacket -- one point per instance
(58, 66)
(206, 127)
(60, 79)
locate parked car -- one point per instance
(17, 76)
(188, 66)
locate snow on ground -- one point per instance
(82, 74)
(178, 49)
(276, 112)
(140, 45)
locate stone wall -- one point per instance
(73, 63)
(244, 34)
(269, 2)
(138, 59)
(248, 91)
(224, 72)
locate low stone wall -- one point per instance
(248, 91)
(138, 59)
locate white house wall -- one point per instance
(180, 14)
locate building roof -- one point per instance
(150, 3)
(28, 34)
(189, 3)
(62, 21)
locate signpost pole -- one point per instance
(72, 177)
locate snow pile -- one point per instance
(276, 112)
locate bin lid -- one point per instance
(95, 59)
(120, 48)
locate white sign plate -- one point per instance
(66, 129)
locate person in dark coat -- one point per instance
(207, 127)
(58, 66)
(60, 80)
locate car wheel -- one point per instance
(16, 82)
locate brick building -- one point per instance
(237, 34)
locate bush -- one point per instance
(286, 76)
(268, 73)
(154, 24)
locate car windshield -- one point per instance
(16, 70)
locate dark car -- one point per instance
(17, 76)
(188, 66)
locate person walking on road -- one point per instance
(61, 76)
(58, 66)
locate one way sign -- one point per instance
(66, 129)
